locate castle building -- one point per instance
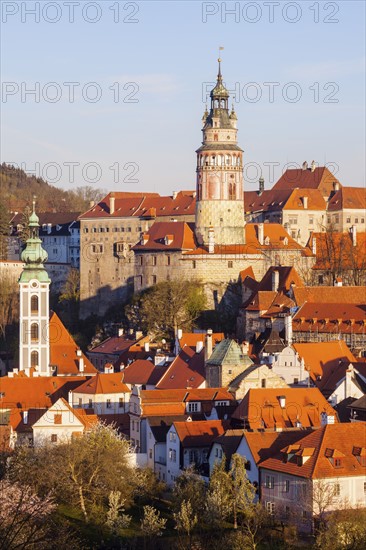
(34, 284)
(219, 206)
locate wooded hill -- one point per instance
(18, 188)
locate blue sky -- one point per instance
(160, 65)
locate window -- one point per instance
(168, 259)
(121, 402)
(216, 452)
(311, 221)
(109, 404)
(230, 264)
(34, 304)
(270, 507)
(194, 264)
(80, 401)
(90, 404)
(364, 487)
(57, 418)
(304, 515)
(34, 359)
(287, 512)
(133, 424)
(172, 436)
(153, 279)
(54, 438)
(172, 455)
(286, 487)
(348, 220)
(263, 383)
(150, 453)
(337, 489)
(137, 426)
(296, 381)
(192, 407)
(356, 220)
(269, 482)
(154, 260)
(338, 463)
(362, 220)
(248, 465)
(34, 332)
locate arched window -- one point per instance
(34, 304)
(216, 137)
(232, 191)
(34, 332)
(34, 359)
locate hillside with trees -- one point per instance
(18, 188)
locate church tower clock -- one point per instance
(219, 206)
(34, 283)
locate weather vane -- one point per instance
(220, 49)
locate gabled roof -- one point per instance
(63, 350)
(229, 441)
(186, 371)
(192, 338)
(321, 178)
(322, 446)
(142, 372)
(82, 418)
(114, 345)
(261, 408)
(142, 205)
(275, 200)
(320, 358)
(168, 236)
(40, 392)
(199, 433)
(335, 250)
(161, 425)
(103, 384)
(348, 198)
(228, 352)
(262, 445)
(335, 318)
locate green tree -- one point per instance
(152, 524)
(9, 304)
(344, 530)
(185, 522)
(242, 491)
(167, 306)
(70, 298)
(218, 505)
(189, 487)
(4, 231)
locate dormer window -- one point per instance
(267, 241)
(168, 239)
(338, 463)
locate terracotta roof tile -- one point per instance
(186, 371)
(104, 383)
(168, 236)
(320, 358)
(142, 372)
(321, 178)
(348, 198)
(327, 442)
(199, 433)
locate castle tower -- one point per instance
(219, 207)
(34, 283)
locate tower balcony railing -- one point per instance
(220, 167)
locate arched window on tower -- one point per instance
(232, 190)
(216, 137)
(34, 359)
(34, 332)
(34, 304)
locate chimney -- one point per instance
(261, 233)
(69, 398)
(120, 332)
(313, 165)
(111, 203)
(211, 240)
(305, 165)
(208, 346)
(338, 281)
(199, 346)
(147, 346)
(288, 329)
(81, 364)
(91, 204)
(354, 235)
(261, 185)
(314, 246)
(348, 382)
(275, 280)
(174, 195)
(138, 334)
(282, 400)
(305, 202)
(179, 333)
(245, 347)
(49, 228)
(335, 185)
(108, 368)
(25, 417)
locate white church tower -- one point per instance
(34, 283)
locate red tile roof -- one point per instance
(186, 371)
(335, 251)
(335, 318)
(348, 198)
(63, 350)
(330, 294)
(199, 433)
(262, 445)
(142, 372)
(103, 384)
(40, 392)
(114, 345)
(260, 408)
(143, 205)
(343, 440)
(320, 358)
(321, 178)
(275, 200)
(168, 236)
(192, 338)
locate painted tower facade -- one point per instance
(34, 283)
(219, 207)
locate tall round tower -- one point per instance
(219, 207)
(34, 283)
